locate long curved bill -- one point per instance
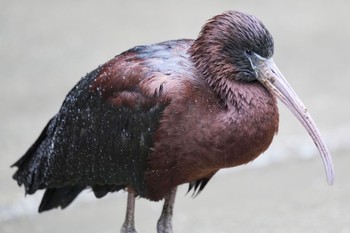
(270, 76)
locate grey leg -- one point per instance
(128, 226)
(164, 223)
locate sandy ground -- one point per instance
(46, 46)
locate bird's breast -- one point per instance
(245, 128)
(199, 135)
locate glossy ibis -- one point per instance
(161, 115)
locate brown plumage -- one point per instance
(158, 116)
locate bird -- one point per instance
(161, 115)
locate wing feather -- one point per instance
(104, 131)
(101, 135)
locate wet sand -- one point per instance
(45, 47)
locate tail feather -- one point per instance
(33, 169)
(24, 159)
(59, 197)
(26, 174)
(62, 197)
(102, 190)
(199, 185)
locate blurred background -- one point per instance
(46, 46)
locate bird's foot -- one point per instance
(164, 226)
(128, 229)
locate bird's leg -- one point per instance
(164, 223)
(128, 226)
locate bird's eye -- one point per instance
(248, 52)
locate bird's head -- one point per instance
(237, 47)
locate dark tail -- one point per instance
(26, 164)
(26, 157)
(33, 172)
(59, 197)
(28, 175)
(199, 185)
(62, 197)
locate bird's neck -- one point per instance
(228, 91)
(213, 66)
